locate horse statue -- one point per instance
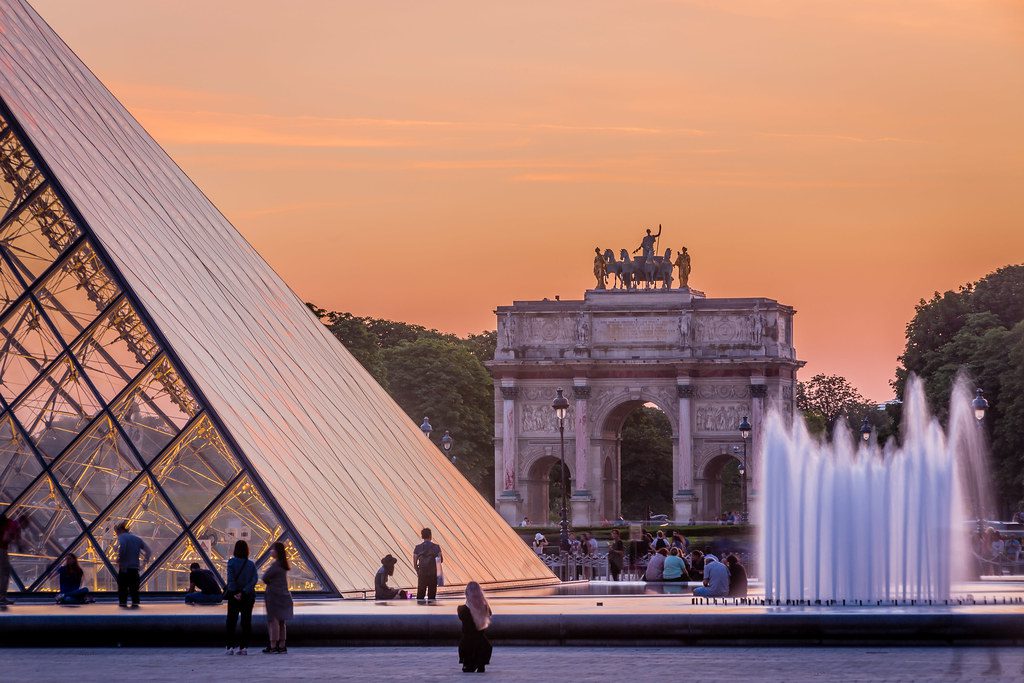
(665, 270)
(627, 270)
(613, 268)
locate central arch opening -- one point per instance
(723, 487)
(645, 451)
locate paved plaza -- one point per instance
(519, 664)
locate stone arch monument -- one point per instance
(705, 362)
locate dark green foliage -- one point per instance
(442, 380)
(430, 373)
(646, 464)
(980, 329)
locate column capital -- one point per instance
(509, 393)
(758, 390)
(686, 390)
(581, 392)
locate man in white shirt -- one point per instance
(716, 579)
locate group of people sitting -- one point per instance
(720, 580)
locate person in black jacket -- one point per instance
(475, 615)
(425, 558)
(381, 589)
(737, 577)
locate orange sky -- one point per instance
(429, 161)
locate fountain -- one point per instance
(863, 523)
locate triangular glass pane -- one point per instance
(301, 576)
(38, 234)
(57, 408)
(116, 350)
(74, 294)
(173, 573)
(47, 528)
(155, 409)
(10, 288)
(148, 516)
(96, 469)
(18, 464)
(95, 575)
(18, 175)
(195, 469)
(27, 346)
(241, 515)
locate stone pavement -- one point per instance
(736, 665)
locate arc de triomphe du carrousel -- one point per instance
(633, 340)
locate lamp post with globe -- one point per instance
(745, 430)
(561, 408)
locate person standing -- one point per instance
(616, 554)
(10, 534)
(426, 559)
(131, 552)
(241, 592)
(277, 600)
(475, 615)
(539, 543)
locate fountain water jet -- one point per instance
(846, 522)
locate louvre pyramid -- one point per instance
(154, 369)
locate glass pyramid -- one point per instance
(97, 426)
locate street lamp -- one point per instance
(865, 429)
(745, 431)
(446, 444)
(980, 405)
(426, 428)
(561, 407)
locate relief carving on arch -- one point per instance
(541, 418)
(723, 329)
(720, 392)
(720, 417)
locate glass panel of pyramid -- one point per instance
(35, 236)
(196, 469)
(173, 573)
(28, 346)
(18, 175)
(147, 515)
(96, 469)
(115, 349)
(76, 292)
(57, 407)
(240, 515)
(48, 527)
(19, 465)
(300, 576)
(155, 409)
(95, 574)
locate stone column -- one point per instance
(758, 394)
(582, 496)
(510, 502)
(684, 499)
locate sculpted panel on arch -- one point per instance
(723, 391)
(726, 329)
(541, 418)
(720, 417)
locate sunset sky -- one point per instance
(428, 161)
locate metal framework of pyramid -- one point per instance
(155, 370)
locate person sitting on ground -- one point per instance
(696, 564)
(539, 543)
(525, 522)
(659, 540)
(381, 589)
(675, 568)
(737, 577)
(656, 566)
(203, 587)
(716, 579)
(69, 575)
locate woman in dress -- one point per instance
(475, 615)
(277, 600)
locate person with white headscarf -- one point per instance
(716, 579)
(475, 615)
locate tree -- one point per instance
(978, 329)
(824, 399)
(482, 345)
(646, 466)
(444, 381)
